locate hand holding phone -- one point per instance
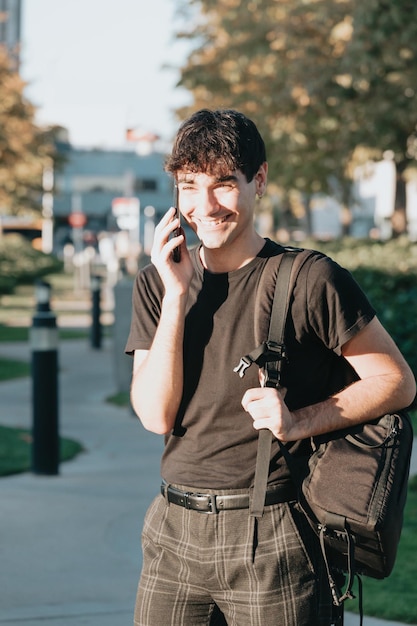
(177, 251)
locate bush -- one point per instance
(21, 263)
(395, 300)
(7, 283)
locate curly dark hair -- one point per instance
(217, 143)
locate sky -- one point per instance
(96, 67)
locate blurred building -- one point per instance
(100, 191)
(10, 27)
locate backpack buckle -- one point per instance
(268, 352)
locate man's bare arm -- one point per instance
(157, 381)
(386, 384)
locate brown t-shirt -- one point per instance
(214, 444)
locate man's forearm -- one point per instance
(157, 382)
(361, 401)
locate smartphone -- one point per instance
(176, 252)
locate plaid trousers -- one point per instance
(230, 569)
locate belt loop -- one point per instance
(213, 504)
(165, 487)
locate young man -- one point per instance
(205, 558)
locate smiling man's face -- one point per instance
(219, 209)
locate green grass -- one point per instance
(21, 333)
(122, 399)
(12, 368)
(15, 450)
(13, 333)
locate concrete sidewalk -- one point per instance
(70, 552)
(70, 547)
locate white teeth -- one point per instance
(213, 222)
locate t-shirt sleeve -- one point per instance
(146, 309)
(337, 307)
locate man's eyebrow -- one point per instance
(229, 178)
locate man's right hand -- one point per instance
(176, 277)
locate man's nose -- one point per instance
(207, 202)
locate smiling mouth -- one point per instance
(213, 223)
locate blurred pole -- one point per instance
(44, 345)
(47, 208)
(96, 312)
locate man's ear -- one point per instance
(261, 177)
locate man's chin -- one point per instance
(214, 241)
(209, 244)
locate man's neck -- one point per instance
(230, 258)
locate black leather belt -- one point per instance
(212, 503)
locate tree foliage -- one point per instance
(25, 148)
(381, 75)
(321, 78)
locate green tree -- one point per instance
(379, 78)
(320, 77)
(25, 149)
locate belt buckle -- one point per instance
(206, 498)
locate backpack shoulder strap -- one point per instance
(285, 270)
(266, 287)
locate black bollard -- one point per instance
(95, 312)
(44, 345)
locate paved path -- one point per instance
(70, 544)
